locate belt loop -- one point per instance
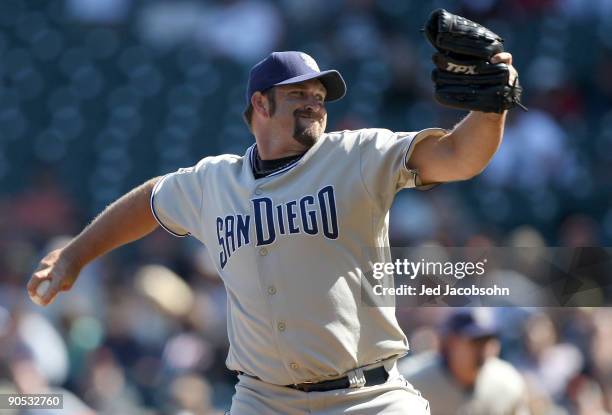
(356, 378)
(391, 368)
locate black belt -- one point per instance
(372, 377)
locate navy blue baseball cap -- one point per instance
(284, 68)
(473, 323)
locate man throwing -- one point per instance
(288, 225)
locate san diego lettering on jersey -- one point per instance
(310, 214)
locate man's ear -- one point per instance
(260, 104)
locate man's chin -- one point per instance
(308, 136)
(307, 131)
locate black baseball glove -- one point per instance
(464, 76)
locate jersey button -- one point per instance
(258, 191)
(271, 290)
(263, 252)
(281, 326)
(294, 366)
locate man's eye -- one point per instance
(297, 93)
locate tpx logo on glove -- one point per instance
(466, 69)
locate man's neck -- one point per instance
(271, 148)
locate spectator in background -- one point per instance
(42, 210)
(466, 376)
(548, 365)
(28, 367)
(213, 26)
(191, 395)
(538, 135)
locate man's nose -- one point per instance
(314, 105)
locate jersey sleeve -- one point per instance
(383, 161)
(176, 200)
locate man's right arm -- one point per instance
(126, 220)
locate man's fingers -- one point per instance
(31, 287)
(66, 286)
(513, 76)
(502, 57)
(42, 288)
(34, 282)
(49, 294)
(505, 57)
(46, 292)
(49, 279)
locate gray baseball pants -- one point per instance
(394, 397)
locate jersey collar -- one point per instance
(250, 156)
(279, 170)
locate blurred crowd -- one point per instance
(97, 96)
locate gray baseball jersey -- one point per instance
(291, 248)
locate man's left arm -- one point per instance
(465, 151)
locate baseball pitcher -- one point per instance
(288, 224)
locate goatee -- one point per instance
(307, 135)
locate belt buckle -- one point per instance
(356, 378)
(304, 386)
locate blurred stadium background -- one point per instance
(99, 95)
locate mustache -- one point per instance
(309, 114)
